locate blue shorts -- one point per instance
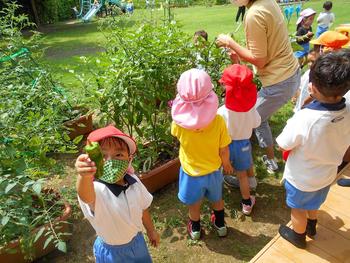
(320, 30)
(304, 52)
(305, 200)
(241, 154)
(134, 252)
(193, 188)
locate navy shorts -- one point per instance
(134, 252)
(305, 200)
(194, 188)
(241, 154)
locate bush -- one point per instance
(32, 111)
(136, 78)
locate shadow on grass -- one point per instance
(238, 244)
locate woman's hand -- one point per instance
(223, 40)
(233, 56)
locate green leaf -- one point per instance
(47, 241)
(78, 139)
(62, 246)
(9, 187)
(4, 220)
(39, 234)
(37, 188)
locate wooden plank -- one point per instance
(337, 203)
(345, 171)
(264, 249)
(273, 256)
(311, 254)
(340, 190)
(331, 242)
(334, 221)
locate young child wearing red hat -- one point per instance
(241, 118)
(204, 149)
(115, 203)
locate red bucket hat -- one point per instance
(241, 91)
(111, 131)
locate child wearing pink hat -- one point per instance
(204, 141)
(304, 34)
(241, 118)
(116, 203)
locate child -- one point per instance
(130, 7)
(204, 144)
(304, 34)
(317, 138)
(241, 118)
(325, 19)
(328, 41)
(116, 203)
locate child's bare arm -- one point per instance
(225, 159)
(86, 170)
(152, 234)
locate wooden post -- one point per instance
(35, 12)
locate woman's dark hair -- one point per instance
(327, 5)
(330, 73)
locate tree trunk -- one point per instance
(36, 17)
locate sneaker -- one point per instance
(247, 209)
(195, 235)
(232, 181)
(271, 164)
(296, 239)
(221, 231)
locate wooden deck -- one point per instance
(332, 242)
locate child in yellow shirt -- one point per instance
(204, 141)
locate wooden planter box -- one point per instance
(161, 176)
(61, 227)
(80, 126)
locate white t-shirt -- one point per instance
(303, 89)
(347, 97)
(318, 137)
(117, 220)
(325, 19)
(240, 124)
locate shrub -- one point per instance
(32, 111)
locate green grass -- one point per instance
(67, 41)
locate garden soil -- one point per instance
(247, 235)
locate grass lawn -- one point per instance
(65, 42)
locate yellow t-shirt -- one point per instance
(199, 149)
(267, 37)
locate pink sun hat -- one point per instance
(196, 103)
(305, 13)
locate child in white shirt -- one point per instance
(317, 138)
(116, 204)
(325, 19)
(241, 118)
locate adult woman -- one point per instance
(269, 50)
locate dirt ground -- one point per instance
(246, 234)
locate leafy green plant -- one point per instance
(32, 111)
(137, 79)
